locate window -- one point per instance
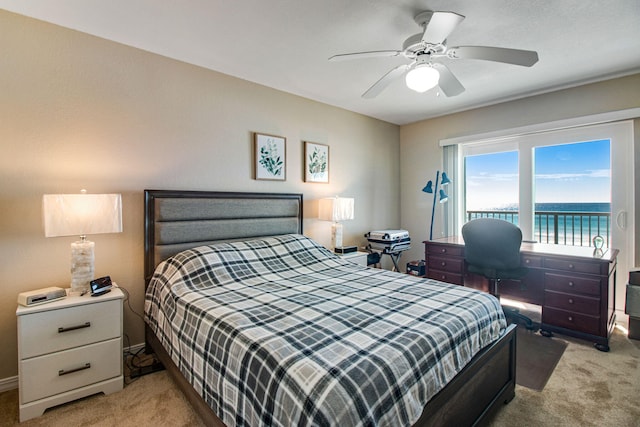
(572, 193)
(571, 190)
(609, 174)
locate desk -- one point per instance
(574, 285)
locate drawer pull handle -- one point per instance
(570, 318)
(571, 284)
(62, 372)
(571, 266)
(443, 263)
(527, 261)
(73, 328)
(570, 300)
(443, 250)
(443, 277)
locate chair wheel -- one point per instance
(602, 347)
(547, 334)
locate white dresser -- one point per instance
(68, 349)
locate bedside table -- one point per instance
(68, 349)
(357, 257)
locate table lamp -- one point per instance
(336, 209)
(81, 215)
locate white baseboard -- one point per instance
(7, 384)
(11, 383)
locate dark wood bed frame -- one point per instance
(481, 388)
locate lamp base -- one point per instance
(82, 257)
(336, 235)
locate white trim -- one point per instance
(7, 384)
(612, 116)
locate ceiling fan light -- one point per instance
(422, 78)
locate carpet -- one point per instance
(536, 358)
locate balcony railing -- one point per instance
(560, 228)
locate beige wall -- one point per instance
(81, 112)
(421, 155)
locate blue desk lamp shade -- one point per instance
(443, 195)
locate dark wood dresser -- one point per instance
(575, 286)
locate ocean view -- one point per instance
(563, 207)
(560, 223)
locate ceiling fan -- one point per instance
(425, 48)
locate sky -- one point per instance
(579, 172)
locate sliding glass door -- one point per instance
(560, 187)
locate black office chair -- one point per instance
(492, 249)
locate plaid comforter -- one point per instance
(280, 331)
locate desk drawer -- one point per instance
(445, 276)
(574, 321)
(449, 250)
(574, 266)
(572, 284)
(573, 303)
(529, 289)
(531, 261)
(453, 265)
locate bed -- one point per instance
(251, 319)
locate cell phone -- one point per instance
(100, 286)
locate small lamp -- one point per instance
(443, 196)
(80, 215)
(336, 209)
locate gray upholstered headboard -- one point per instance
(178, 220)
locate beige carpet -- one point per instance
(587, 388)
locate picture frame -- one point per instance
(316, 162)
(270, 157)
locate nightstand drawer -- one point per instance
(49, 331)
(67, 370)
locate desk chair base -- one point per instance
(518, 317)
(510, 312)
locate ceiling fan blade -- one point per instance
(526, 58)
(359, 55)
(448, 83)
(381, 84)
(440, 26)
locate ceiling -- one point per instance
(285, 44)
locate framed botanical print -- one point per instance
(316, 162)
(269, 157)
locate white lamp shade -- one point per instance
(336, 209)
(422, 78)
(81, 214)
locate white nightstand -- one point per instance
(357, 257)
(68, 349)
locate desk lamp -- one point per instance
(443, 196)
(80, 215)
